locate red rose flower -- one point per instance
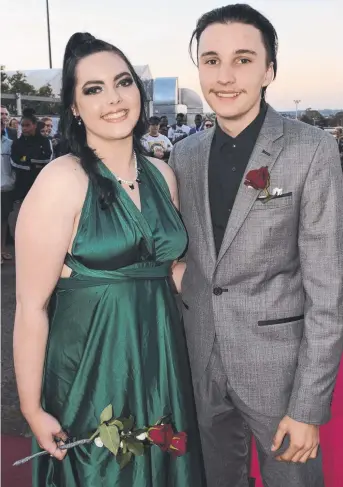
(178, 445)
(161, 435)
(258, 178)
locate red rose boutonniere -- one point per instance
(259, 179)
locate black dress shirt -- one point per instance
(229, 157)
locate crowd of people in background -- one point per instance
(23, 156)
(28, 145)
(161, 136)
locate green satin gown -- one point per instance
(115, 337)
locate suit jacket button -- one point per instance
(217, 291)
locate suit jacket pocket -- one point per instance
(281, 329)
(278, 196)
(282, 201)
(280, 321)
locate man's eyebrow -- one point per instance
(246, 51)
(209, 53)
(237, 52)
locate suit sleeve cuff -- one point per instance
(316, 414)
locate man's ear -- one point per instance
(269, 76)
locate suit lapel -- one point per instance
(201, 190)
(266, 151)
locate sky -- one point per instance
(155, 32)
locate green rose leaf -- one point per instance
(135, 447)
(127, 423)
(124, 459)
(109, 435)
(107, 414)
(117, 422)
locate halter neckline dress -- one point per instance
(115, 337)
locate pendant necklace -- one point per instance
(131, 184)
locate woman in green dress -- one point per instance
(96, 320)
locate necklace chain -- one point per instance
(131, 184)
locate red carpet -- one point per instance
(13, 448)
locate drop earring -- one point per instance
(77, 118)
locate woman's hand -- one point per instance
(46, 429)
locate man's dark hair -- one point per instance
(180, 115)
(243, 13)
(154, 121)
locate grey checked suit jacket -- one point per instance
(279, 317)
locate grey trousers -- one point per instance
(226, 424)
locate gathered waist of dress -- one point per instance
(84, 277)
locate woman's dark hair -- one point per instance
(244, 14)
(29, 114)
(40, 126)
(81, 45)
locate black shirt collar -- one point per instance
(249, 134)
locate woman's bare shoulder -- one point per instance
(67, 164)
(63, 172)
(62, 182)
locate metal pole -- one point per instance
(18, 103)
(296, 108)
(48, 26)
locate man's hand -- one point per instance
(304, 440)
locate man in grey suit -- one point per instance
(262, 199)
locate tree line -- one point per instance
(314, 117)
(17, 83)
